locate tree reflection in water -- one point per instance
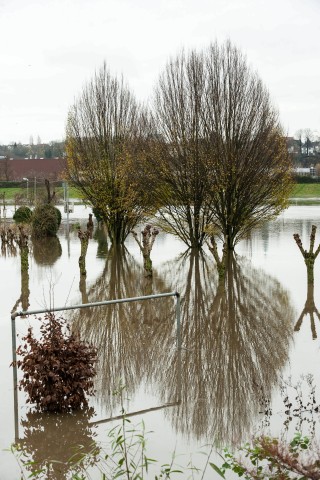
(124, 333)
(46, 251)
(309, 260)
(310, 309)
(58, 443)
(22, 239)
(236, 334)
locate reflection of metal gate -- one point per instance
(23, 313)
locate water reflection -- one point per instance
(22, 240)
(236, 333)
(100, 235)
(309, 260)
(46, 251)
(58, 443)
(125, 334)
(309, 309)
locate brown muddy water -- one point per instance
(247, 365)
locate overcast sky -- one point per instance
(50, 48)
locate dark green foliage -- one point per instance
(23, 215)
(58, 369)
(305, 179)
(45, 221)
(9, 184)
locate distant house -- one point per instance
(40, 168)
(304, 171)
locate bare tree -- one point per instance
(251, 176)
(179, 157)
(299, 136)
(305, 136)
(102, 137)
(221, 154)
(308, 135)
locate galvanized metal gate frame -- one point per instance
(25, 313)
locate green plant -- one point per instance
(23, 215)
(58, 369)
(269, 458)
(45, 221)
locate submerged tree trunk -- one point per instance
(84, 239)
(148, 237)
(83, 289)
(309, 256)
(221, 263)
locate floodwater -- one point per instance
(249, 361)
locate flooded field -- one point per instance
(250, 343)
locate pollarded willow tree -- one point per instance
(104, 134)
(223, 166)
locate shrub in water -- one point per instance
(23, 215)
(45, 221)
(58, 368)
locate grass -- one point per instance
(306, 190)
(300, 191)
(11, 192)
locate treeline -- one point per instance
(41, 150)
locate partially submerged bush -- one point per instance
(46, 221)
(23, 215)
(58, 368)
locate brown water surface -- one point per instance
(242, 349)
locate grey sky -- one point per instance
(49, 48)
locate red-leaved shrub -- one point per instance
(58, 368)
